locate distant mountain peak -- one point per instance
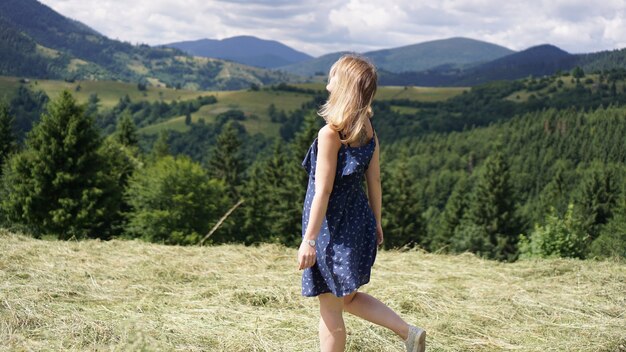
(245, 49)
(454, 52)
(546, 48)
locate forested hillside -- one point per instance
(42, 43)
(537, 61)
(509, 169)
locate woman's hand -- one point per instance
(306, 256)
(379, 234)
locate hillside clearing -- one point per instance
(132, 295)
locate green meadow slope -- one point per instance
(253, 103)
(131, 295)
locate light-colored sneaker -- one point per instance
(416, 342)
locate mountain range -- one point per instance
(458, 52)
(244, 49)
(36, 41)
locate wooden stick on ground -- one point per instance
(221, 221)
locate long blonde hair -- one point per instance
(350, 100)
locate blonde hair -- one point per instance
(350, 100)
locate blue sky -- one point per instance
(317, 28)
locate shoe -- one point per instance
(416, 342)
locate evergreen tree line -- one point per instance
(69, 181)
(552, 175)
(487, 103)
(543, 183)
(144, 113)
(19, 55)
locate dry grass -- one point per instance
(130, 295)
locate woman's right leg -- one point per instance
(332, 331)
(371, 309)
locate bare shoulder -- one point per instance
(327, 136)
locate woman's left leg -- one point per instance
(369, 308)
(332, 331)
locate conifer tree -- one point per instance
(7, 137)
(492, 207)
(596, 196)
(160, 148)
(402, 223)
(273, 207)
(253, 213)
(453, 213)
(126, 131)
(612, 239)
(555, 193)
(275, 191)
(304, 138)
(226, 162)
(93, 104)
(60, 184)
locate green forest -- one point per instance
(509, 169)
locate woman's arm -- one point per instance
(328, 145)
(374, 189)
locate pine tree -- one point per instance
(578, 72)
(596, 196)
(253, 214)
(226, 162)
(555, 193)
(60, 184)
(305, 137)
(303, 141)
(403, 223)
(451, 217)
(93, 104)
(126, 131)
(612, 239)
(492, 207)
(160, 148)
(275, 190)
(7, 137)
(274, 199)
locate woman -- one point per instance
(341, 227)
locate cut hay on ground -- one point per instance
(131, 295)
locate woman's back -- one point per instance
(346, 246)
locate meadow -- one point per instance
(254, 104)
(133, 295)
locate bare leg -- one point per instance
(371, 309)
(332, 329)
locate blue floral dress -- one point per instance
(346, 245)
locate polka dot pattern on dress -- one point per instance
(346, 245)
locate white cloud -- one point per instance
(318, 28)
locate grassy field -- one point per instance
(109, 92)
(253, 103)
(131, 295)
(401, 92)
